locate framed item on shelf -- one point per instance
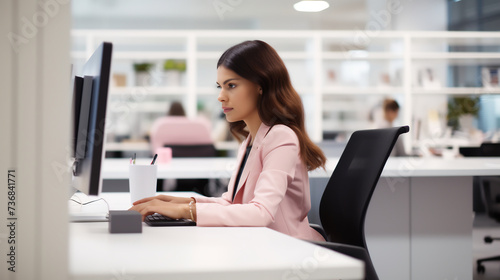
(490, 77)
(427, 79)
(119, 80)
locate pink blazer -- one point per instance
(273, 190)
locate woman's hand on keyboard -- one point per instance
(166, 198)
(165, 208)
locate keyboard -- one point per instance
(157, 220)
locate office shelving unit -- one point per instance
(340, 75)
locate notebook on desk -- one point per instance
(157, 220)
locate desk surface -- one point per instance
(395, 167)
(143, 146)
(199, 253)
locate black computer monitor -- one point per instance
(90, 96)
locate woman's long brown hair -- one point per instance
(259, 63)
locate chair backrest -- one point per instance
(347, 195)
(167, 131)
(202, 150)
(490, 194)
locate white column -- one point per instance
(191, 61)
(408, 112)
(35, 110)
(7, 126)
(316, 133)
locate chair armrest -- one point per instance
(356, 252)
(353, 251)
(319, 229)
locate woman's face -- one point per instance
(238, 96)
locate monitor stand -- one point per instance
(83, 208)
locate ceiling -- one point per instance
(215, 14)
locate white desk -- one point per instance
(190, 168)
(199, 253)
(143, 146)
(419, 222)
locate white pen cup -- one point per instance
(142, 181)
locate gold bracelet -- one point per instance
(191, 210)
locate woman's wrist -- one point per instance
(186, 200)
(192, 210)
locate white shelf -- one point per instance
(165, 91)
(347, 126)
(153, 55)
(361, 55)
(457, 91)
(344, 90)
(139, 107)
(399, 54)
(284, 55)
(456, 55)
(208, 55)
(149, 90)
(137, 55)
(161, 91)
(207, 90)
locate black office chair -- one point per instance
(490, 149)
(490, 200)
(347, 195)
(492, 204)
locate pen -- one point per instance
(154, 159)
(134, 158)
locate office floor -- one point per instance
(483, 226)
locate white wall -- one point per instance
(214, 14)
(425, 15)
(34, 124)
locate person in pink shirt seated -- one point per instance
(270, 186)
(177, 129)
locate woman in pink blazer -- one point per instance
(270, 186)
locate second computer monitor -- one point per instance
(89, 112)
